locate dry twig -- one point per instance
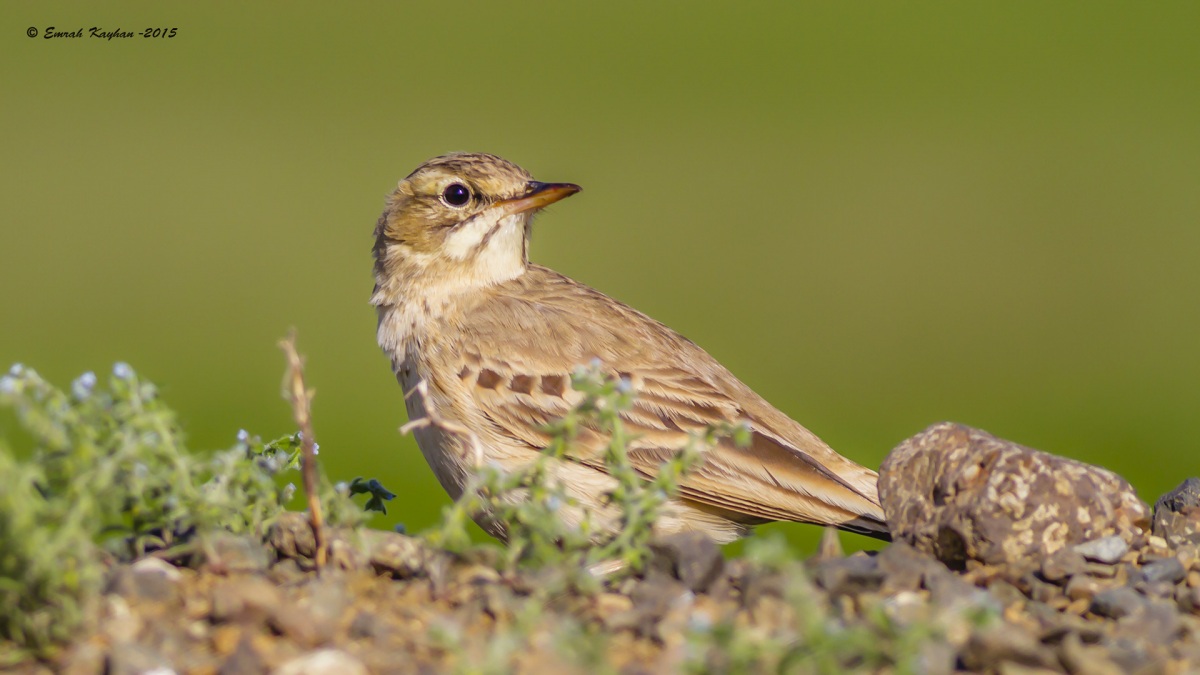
(301, 399)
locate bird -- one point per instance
(483, 343)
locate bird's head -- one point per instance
(461, 220)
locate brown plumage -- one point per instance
(484, 342)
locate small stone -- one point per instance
(134, 659)
(304, 623)
(1189, 600)
(1083, 586)
(1101, 570)
(120, 624)
(652, 599)
(1156, 542)
(906, 569)
(228, 554)
(609, 605)
(1006, 593)
(690, 557)
(366, 626)
(855, 575)
(83, 658)
(1078, 607)
(1091, 660)
(244, 660)
(323, 662)
(1061, 564)
(1193, 579)
(1038, 590)
(225, 639)
(286, 572)
(1185, 495)
(397, 555)
(1115, 603)
(248, 599)
(997, 644)
(1132, 657)
(1106, 550)
(145, 581)
(1156, 624)
(1161, 589)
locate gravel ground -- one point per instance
(1119, 596)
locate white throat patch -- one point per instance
(497, 246)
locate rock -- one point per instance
(905, 568)
(1083, 586)
(1105, 550)
(1062, 564)
(366, 626)
(992, 646)
(323, 662)
(397, 555)
(313, 620)
(1086, 660)
(690, 557)
(249, 599)
(849, 576)
(1156, 624)
(962, 494)
(121, 624)
(1177, 514)
(226, 553)
(291, 536)
(652, 599)
(1114, 603)
(244, 660)
(83, 659)
(132, 659)
(149, 579)
(1189, 600)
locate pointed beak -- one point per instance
(538, 196)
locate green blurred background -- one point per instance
(878, 215)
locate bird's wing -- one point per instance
(519, 350)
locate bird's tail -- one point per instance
(869, 526)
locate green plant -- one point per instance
(109, 478)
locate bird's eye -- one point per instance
(456, 195)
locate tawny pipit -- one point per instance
(483, 343)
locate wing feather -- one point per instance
(786, 472)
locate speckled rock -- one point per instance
(1177, 514)
(963, 494)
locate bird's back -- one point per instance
(519, 341)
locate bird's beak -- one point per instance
(538, 196)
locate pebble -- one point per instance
(133, 659)
(1062, 564)
(1115, 603)
(323, 662)
(849, 576)
(120, 624)
(994, 645)
(249, 599)
(1106, 550)
(231, 554)
(1083, 586)
(1092, 660)
(244, 660)
(690, 557)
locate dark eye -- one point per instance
(456, 194)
